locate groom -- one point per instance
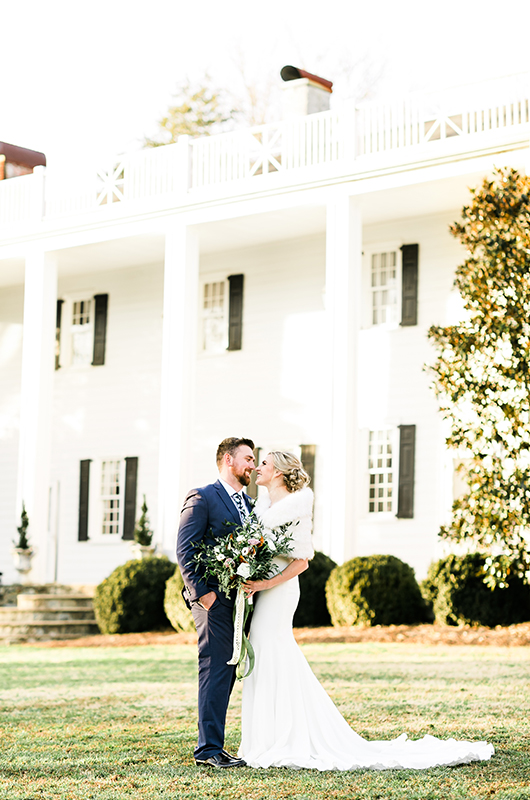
(203, 518)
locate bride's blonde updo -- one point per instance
(294, 475)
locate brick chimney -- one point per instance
(304, 93)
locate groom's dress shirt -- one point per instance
(240, 502)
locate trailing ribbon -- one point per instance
(242, 647)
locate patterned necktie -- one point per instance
(238, 500)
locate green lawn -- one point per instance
(120, 723)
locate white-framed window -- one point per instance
(214, 316)
(81, 329)
(381, 471)
(82, 332)
(107, 497)
(111, 497)
(384, 286)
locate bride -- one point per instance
(288, 720)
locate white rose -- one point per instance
(243, 570)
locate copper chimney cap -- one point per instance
(289, 73)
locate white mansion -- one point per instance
(275, 283)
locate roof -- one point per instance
(21, 155)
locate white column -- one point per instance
(343, 298)
(38, 369)
(181, 274)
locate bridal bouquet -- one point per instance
(246, 553)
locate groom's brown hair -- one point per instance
(230, 445)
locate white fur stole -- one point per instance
(295, 507)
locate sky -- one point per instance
(87, 81)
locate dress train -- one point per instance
(288, 719)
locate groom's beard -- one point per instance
(243, 477)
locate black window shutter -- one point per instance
(129, 512)
(84, 480)
(407, 441)
(58, 334)
(307, 457)
(409, 284)
(235, 312)
(100, 328)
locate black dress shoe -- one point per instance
(221, 760)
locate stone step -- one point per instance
(42, 617)
(49, 601)
(46, 630)
(14, 615)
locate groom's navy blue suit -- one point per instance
(203, 516)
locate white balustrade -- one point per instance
(222, 162)
(134, 177)
(20, 199)
(419, 120)
(306, 142)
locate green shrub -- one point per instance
(131, 599)
(375, 590)
(455, 587)
(312, 609)
(176, 609)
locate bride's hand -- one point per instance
(251, 587)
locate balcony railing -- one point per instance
(343, 141)
(306, 142)
(419, 120)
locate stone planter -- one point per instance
(22, 561)
(142, 550)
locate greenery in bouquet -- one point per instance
(246, 552)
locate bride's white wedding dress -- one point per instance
(288, 720)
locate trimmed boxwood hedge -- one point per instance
(312, 609)
(375, 590)
(455, 587)
(131, 599)
(176, 609)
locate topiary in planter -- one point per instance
(131, 599)
(375, 590)
(312, 609)
(176, 609)
(455, 587)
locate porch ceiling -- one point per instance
(133, 251)
(256, 229)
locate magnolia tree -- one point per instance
(482, 376)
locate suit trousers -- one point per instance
(215, 629)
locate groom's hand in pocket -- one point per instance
(207, 600)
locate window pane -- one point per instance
(110, 497)
(81, 312)
(82, 333)
(380, 471)
(214, 321)
(383, 281)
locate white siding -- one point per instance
(271, 390)
(394, 389)
(108, 411)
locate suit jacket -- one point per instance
(202, 518)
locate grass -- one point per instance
(120, 723)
